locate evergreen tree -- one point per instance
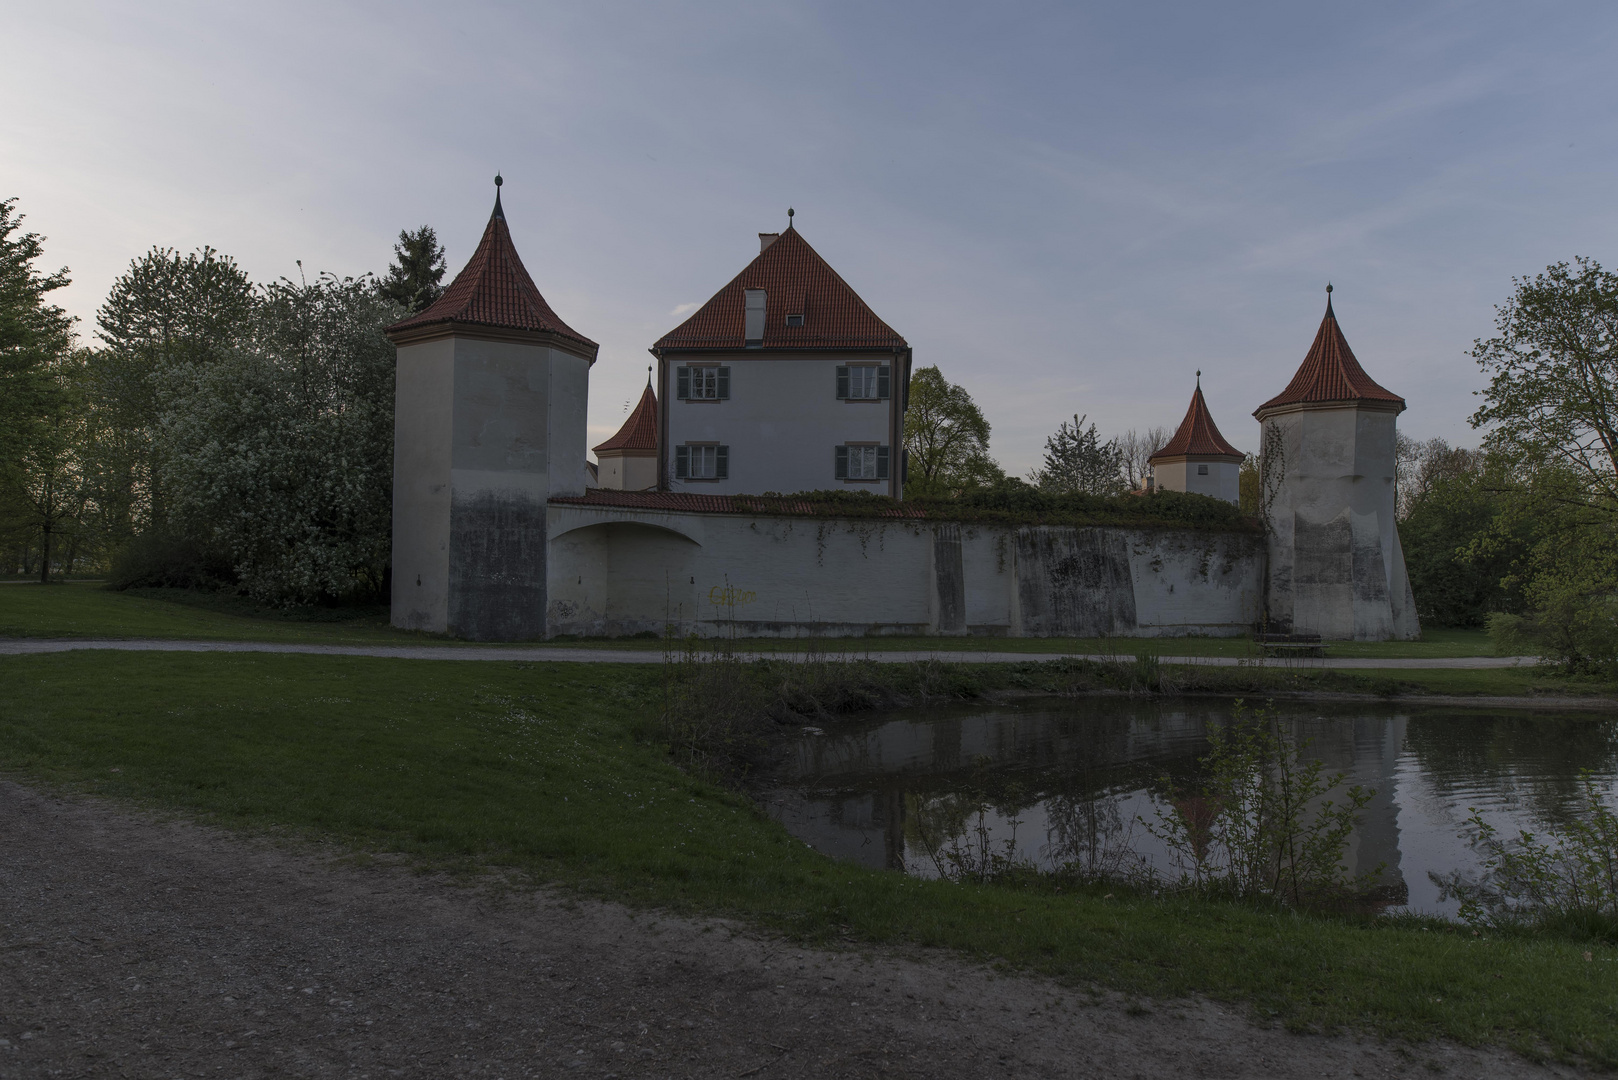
(412, 281)
(1078, 462)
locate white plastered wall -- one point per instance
(781, 422)
(422, 428)
(1336, 566)
(569, 410)
(1223, 480)
(616, 571)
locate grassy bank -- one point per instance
(86, 610)
(80, 610)
(546, 770)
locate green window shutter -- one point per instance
(682, 457)
(682, 380)
(882, 463)
(841, 469)
(721, 462)
(724, 384)
(842, 388)
(882, 380)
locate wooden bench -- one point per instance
(1293, 644)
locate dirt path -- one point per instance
(654, 655)
(133, 947)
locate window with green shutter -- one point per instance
(840, 462)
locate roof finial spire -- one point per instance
(790, 212)
(648, 374)
(1328, 301)
(498, 211)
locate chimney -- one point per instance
(765, 239)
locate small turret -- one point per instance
(1198, 459)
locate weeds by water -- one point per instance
(720, 706)
(1564, 880)
(1262, 827)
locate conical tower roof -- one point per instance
(1198, 435)
(1331, 376)
(494, 292)
(796, 281)
(640, 430)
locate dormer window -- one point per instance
(794, 320)
(753, 332)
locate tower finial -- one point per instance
(648, 375)
(499, 211)
(1328, 301)
(790, 212)
(1199, 378)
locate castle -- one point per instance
(787, 381)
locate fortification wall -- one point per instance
(615, 571)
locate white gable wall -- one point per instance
(781, 423)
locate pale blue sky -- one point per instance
(1067, 208)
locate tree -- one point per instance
(1553, 378)
(166, 312)
(1077, 461)
(412, 281)
(1135, 449)
(1247, 485)
(36, 339)
(946, 439)
(281, 451)
(1552, 406)
(1461, 550)
(1418, 466)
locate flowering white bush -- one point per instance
(281, 450)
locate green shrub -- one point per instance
(159, 560)
(1567, 881)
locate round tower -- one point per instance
(1198, 459)
(1327, 498)
(489, 422)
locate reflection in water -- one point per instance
(1067, 783)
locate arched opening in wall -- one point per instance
(622, 577)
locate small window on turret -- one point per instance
(1202, 470)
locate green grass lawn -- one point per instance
(81, 610)
(547, 770)
(87, 610)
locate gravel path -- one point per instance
(22, 646)
(135, 947)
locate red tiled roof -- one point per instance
(1330, 374)
(796, 281)
(640, 430)
(494, 290)
(689, 502)
(1198, 434)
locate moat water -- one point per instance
(1073, 781)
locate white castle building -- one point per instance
(786, 381)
